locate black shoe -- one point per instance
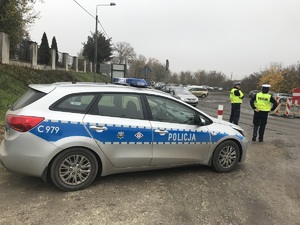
(260, 140)
(253, 138)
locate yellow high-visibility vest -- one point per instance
(236, 99)
(262, 102)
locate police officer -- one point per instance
(262, 103)
(236, 96)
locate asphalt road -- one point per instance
(265, 189)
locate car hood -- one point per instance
(223, 122)
(186, 96)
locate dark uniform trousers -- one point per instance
(235, 113)
(260, 121)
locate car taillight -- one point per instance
(23, 123)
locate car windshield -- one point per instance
(181, 91)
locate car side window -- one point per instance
(125, 105)
(74, 103)
(167, 110)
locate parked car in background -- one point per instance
(208, 87)
(184, 95)
(198, 91)
(167, 87)
(253, 92)
(281, 97)
(218, 88)
(158, 85)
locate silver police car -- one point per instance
(69, 133)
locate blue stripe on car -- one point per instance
(119, 134)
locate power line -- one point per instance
(84, 9)
(94, 18)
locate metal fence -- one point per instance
(60, 63)
(21, 52)
(71, 62)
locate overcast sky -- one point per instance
(236, 37)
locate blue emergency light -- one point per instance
(136, 82)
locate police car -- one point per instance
(69, 133)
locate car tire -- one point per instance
(226, 156)
(203, 96)
(74, 169)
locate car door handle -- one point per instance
(161, 132)
(98, 128)
(213, 133)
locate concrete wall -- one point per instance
(33, 48)
(4, 48)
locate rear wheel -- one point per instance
(226, 156)
(74, 169)
(203, 96)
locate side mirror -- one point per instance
(199, 120)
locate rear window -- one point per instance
(77, 103)
(27, 98)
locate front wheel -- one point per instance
(74, 169)
(226, 156)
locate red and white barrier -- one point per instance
(278, 111)
(220, 112)
(292, 108)
(288, 104)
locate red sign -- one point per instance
(296, 96)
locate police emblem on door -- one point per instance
(121, 135)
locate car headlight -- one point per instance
(242, 132)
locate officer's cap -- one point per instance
(237, 83)
(266, 85)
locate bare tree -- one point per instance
(159, 72)
(123, 53)
(136, 66)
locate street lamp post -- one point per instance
(96, 37)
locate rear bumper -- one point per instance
(25, 159)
